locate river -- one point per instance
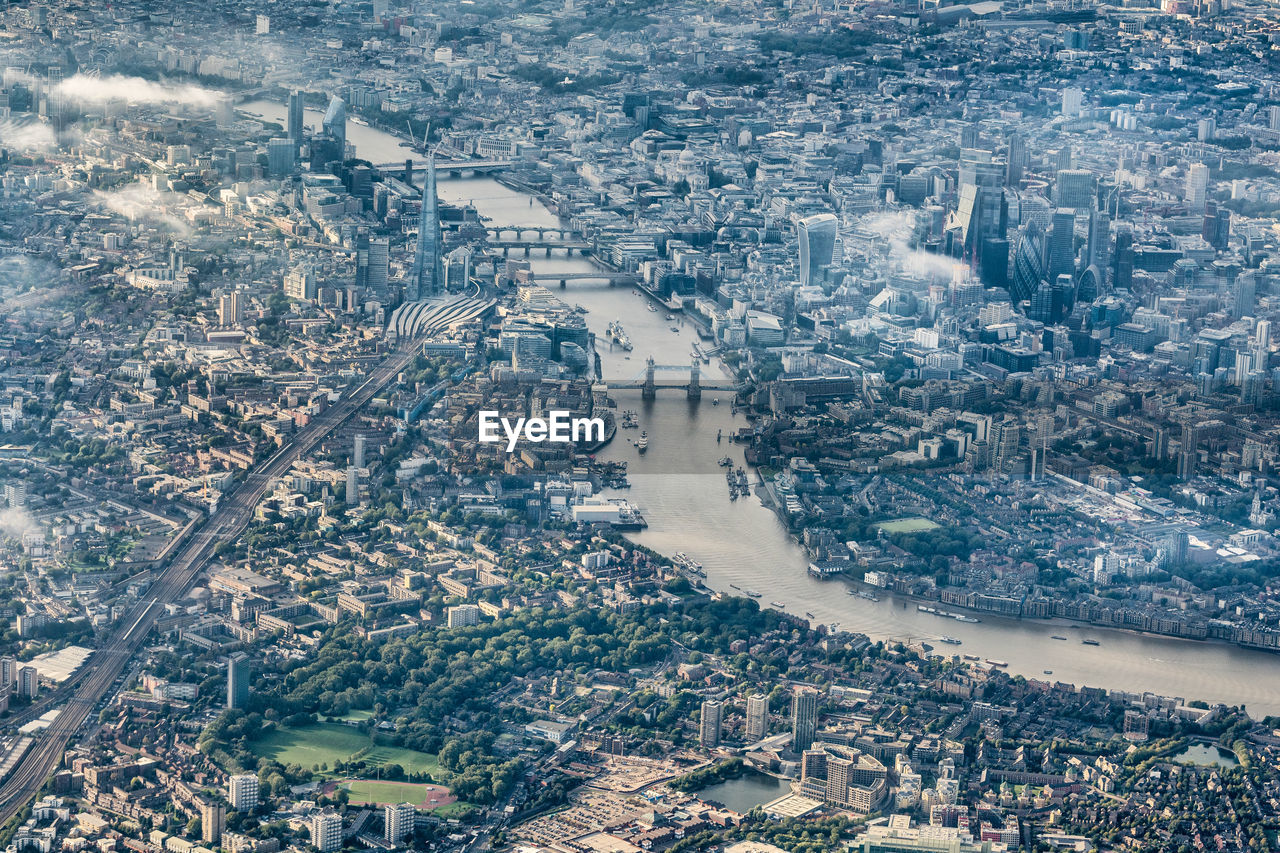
(681, 490)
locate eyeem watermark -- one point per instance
(561, 427)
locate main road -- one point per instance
(231, 517)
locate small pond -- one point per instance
(1207, 755)
(749, 790)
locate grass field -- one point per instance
(372, 792)
(327, 743)
(356, 716)
(907, 525)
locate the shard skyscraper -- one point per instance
(428, 278)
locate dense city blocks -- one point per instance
(601, 426)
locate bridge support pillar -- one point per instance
(695, 389)
(548, 251)
(526, 251)
(649, 390)
(564, 283)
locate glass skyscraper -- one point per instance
(427, 277)
(817, 245)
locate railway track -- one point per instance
(101, 671)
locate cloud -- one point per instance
(31, 136)
(897, 228)
(20, 273)
(140, 202)
(97, 90)
(16, 521)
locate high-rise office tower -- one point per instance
(242, 792)
(804, 719)
(1099, 246)
(1062, 244)
(397, 821)
(1189, 451)
(237, 680)
(1216, 228)
(335, 124)
(757, 717)
(1028, 262)
(379, 266)
(993, 262)
(981, 210)
(1122, 257)
(709, 726)
(1089, 285)
(427, 278)
(280, 156)
(1016, 166)
(1244, 295)
(1197, 186)
(1243, 367)
(1006, 435)
(1074, 189)
(295, 118)
(362, 258)
(224, 111)
(1041, 304)
(817, 235)
(1262, 344)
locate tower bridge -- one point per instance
(650, 385)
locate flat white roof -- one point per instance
(58, 666)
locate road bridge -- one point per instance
(453, 167)
(519, 232)
(614, 278)
(650, 385)
(567, 246)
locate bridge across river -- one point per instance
(477, 167)
(614, 278)
(650, 385)
(549, 246)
